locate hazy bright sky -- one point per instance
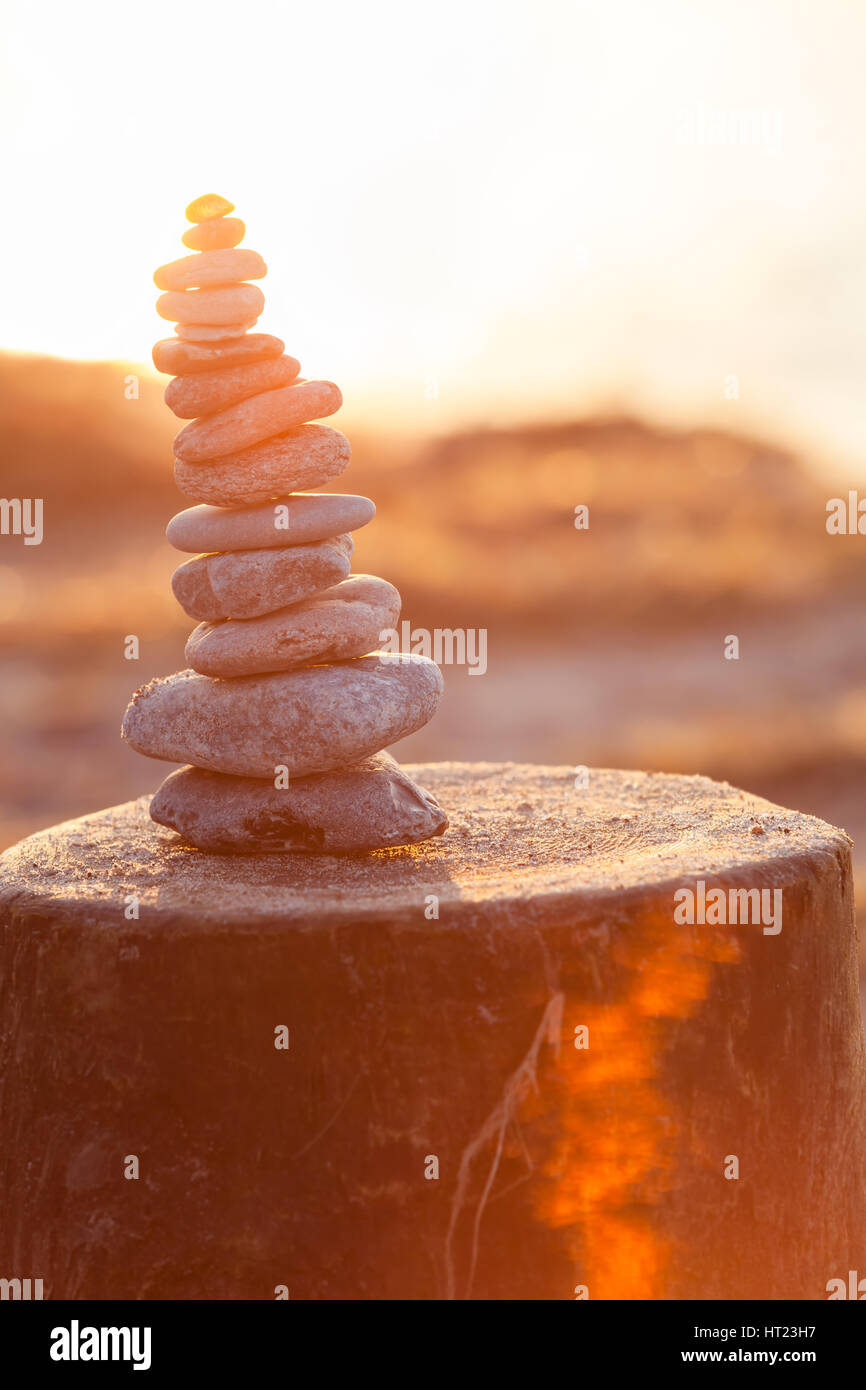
(543, 206)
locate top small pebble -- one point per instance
(207, 206)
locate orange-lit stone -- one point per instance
(210, 268)
(226, 304)
(178, 358)
(295, 462)
(207, 206)
(213, 332)
(249, 583)
(330, 626)
(202, 393)
(253, 421)
(216, 235)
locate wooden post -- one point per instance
(496, 1065)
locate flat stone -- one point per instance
(213, 332)
(214, 235)
(207, 206)
(342, 622)
(305, 458)
(288, 521)
(255, 420)
(202, 393)
(177, 358)
(225, 304)
(372, 805)
(314, 720)
(224, 267)
(247, 583)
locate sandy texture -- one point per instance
(304, 458)
(287, 521)
(432, 996)
(246, 583)
(524, 846)
(343, 621)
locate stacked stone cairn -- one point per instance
(287, 705)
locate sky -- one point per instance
(473, 212)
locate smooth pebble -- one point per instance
(286, 521)
(213, 332)
(202, 393)
(370, 805)
(313, 720)
(295, 462)
(342, 622)
(214, 307)
(176, 358)
(255, 420)
(210, 268)
(217, 234)
(247, 583)
(207, 206)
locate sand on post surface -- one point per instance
(511, 1071)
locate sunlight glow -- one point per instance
(472, 212)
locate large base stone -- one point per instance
(424, 1044)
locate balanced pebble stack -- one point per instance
(287, 705)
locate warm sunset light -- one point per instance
(472, 222)
(432, 677)
(618, 1130)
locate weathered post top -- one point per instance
(597, 1040)
(525, 839)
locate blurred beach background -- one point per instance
(560, 255)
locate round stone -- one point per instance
(287, 521)
(294, 462)
(247, 583)
(207, 206)
(255, 420)
(214, 235)
(212, 332)
(314, 720)
(177, 358)
(372, 805)
(202, 393)
(220, 306)
(344, 621)
(210, 268)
